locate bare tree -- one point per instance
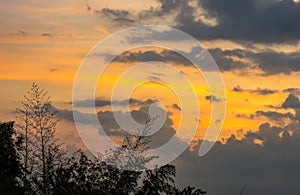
(24, 129)
(37, 124)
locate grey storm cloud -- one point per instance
(249, 20)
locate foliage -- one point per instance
(9, 160)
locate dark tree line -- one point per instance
(32, 160)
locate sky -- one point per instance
(255, 44)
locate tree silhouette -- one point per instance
(26, 150)
(159, 181)
(9, 161)
(40, 150)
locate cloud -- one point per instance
(292, 90)
(274, 63)
(258, 91)
(224, 61)
(47, 35)
(51, 35)
(276, 116)
(22, 33)
(53, 69)
(112, 128)
(291, 101)
(250, 20)
(242, 162)
(272, 115)
(102, 103)
(176, 107)
(121, 16)
(264, 91)
(251, 116)
(235, 164)
(84, 118)
(269, 62)
(163, 56)
(212, 98)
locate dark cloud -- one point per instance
(264, 91)
(291, 101)
(53, 69)
(155, 79)
(176, 107)
(274, 63)
(235, 164)
(250, 20)
(276, 116)
(223, 60)
(272, 115)
(84, 118)
(251, 116)
(292, 90)
(269, 169)
(112, 128)
(21, 33)
(269, 62)
(47, 35)
(123, 17)
(163, 56)
(237, 89)
(52, 35)
(258, 91)
(102, 103)
(212, 98)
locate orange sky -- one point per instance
(40, 42)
